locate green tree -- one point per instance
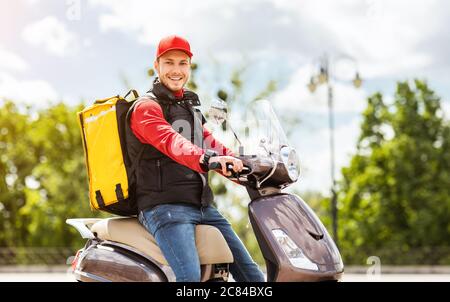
(42, 176)
(394, 197)
(17, 160)
(61, 189)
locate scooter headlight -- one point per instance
(290, 160)
(293, 252)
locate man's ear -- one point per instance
(156, 65)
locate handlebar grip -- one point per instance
(214, 166)
(217, 165)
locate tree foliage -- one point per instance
(42, 176)
(395, 194)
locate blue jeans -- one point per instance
(173, 227)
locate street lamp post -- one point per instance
(325, 77)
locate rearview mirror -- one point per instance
(218, 112)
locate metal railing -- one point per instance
(46, 256)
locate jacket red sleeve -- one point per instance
(214, 144)
(150, 127)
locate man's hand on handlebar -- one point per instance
(225, 161)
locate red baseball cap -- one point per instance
(171, 43)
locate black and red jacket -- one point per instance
(171, 131)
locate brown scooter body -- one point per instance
(295, 244)
(114, 262)
(119, 249)
(294, 217)
(108, 261)
(105, 260)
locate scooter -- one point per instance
(294, 243)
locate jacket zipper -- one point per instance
(159, 176)
(202, 202)
(193, 111)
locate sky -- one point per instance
(77, 50)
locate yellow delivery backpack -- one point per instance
(111, 173)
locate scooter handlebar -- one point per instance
(218, 166)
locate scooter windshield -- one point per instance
(263, 132)
(260, 133)
(265, 136)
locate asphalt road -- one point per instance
(63, 277)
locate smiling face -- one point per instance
(174, 69)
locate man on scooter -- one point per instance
(173, 194)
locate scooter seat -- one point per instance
(211, 245)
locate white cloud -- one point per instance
(52, 35)
(212, 27)
(11, 61)
(27, 91)
(386, 37)
(167, 17)
(296, 95)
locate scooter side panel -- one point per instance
(292, 215)
(100, 263)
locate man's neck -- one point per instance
(178, 94)
(162, 90)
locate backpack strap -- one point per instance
(135, 162)
(164, 104)
(137, 159)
